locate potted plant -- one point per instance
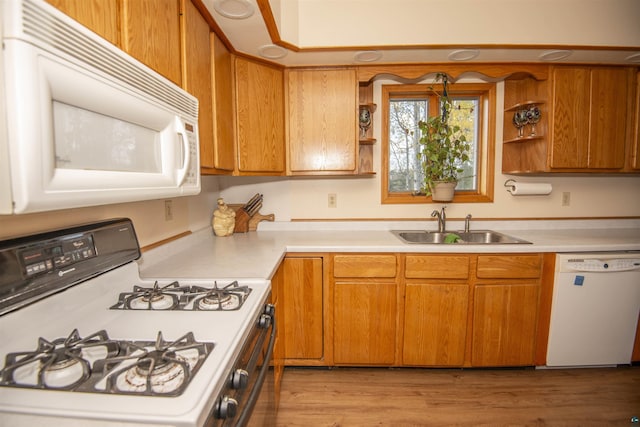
(443, 150)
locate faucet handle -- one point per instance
(467, 223)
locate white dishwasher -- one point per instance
(594, 311)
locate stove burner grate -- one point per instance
(155, 298)
(176, 297)
(99, 364)
(230, 297)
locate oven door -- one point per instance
(248, 398)
(261, 406)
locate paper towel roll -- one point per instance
(529, 188)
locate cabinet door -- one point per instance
(221, 156)
(100, 16)
(151, 34)
(570, 125)
(608, 119)
(197, 65)
(260, 118)
(364, 328)
(435, 324)
(302, 308)
(277, 299)
(635, 152)
(322, 121)
(504, 325)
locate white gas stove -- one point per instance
(113, 348)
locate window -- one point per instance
(403, 107)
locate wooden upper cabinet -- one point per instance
(634, 154)
(259, 118)
(610, 114)
(100, 16)
(197, 76)
(322, 121)
(570, 147)
(590, 114)
(586, 121)
(221, 156)
(151, 34)
(148, 30)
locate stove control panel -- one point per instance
(57, 255)
(38, 265)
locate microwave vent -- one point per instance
(73, 40)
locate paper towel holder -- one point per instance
(527, 189)
(509, 184)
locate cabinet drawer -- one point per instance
(509, 266)
(436, 267)
(364, 266)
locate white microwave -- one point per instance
(82, 122)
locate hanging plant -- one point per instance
(443, 146)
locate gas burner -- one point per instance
(176, 297)
(161, 368)
(231, 297)
(100, 365)
(156, 298)
(62, 364)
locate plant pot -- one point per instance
(443, 191)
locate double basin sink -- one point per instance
(478, 237)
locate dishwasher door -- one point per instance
(594, 311)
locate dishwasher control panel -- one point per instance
(601, 265)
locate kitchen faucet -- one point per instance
(442, 219)
(467, 221)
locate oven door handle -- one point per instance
(255, 392)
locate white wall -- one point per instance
(306, 198)
(189, 214)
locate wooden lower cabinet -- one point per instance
(364, 319)
(504, 325)
(439, 310)
(365, 304)
(302, 293)
(435, 324)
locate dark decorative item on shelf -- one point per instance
(526, 116)
(443, 149)
(364, 121)
(520, 121)
(533, 117)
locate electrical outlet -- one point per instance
(332, 200)
(566, 198)
(168, 210)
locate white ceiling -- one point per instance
(338, 32)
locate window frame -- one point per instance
(486, 146)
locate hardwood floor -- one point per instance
(454, 397)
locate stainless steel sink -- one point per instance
(478, 237)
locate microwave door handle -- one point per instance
(186, 155)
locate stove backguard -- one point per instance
(38, 265)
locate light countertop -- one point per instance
(256, 255)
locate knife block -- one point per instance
(244, 222)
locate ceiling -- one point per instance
(357, 32)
